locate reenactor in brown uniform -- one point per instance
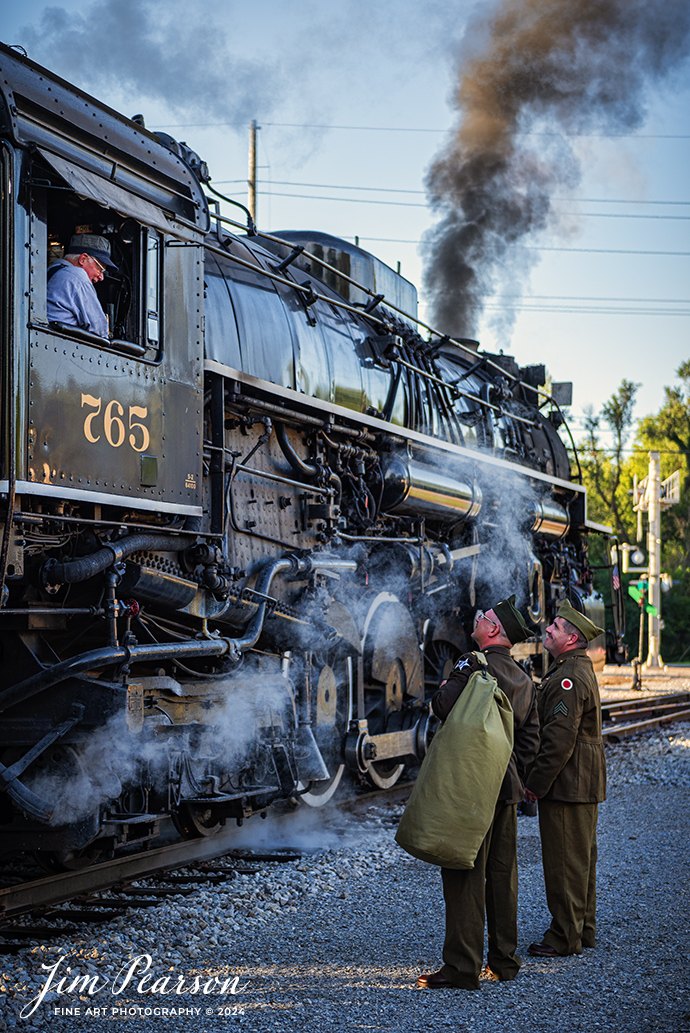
(493, 882)
(569, 780)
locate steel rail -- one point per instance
(62, 887)
(56, 889)
(645, 714)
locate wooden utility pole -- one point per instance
(251, 178)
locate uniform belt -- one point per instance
(590, 738)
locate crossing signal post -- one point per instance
(651, 496)
(638, 591)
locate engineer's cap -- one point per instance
(579, 621)
(512, 620)
(91, 244)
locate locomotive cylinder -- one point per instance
(548, 518)
(414, 489)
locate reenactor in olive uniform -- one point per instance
(569, 780)
(493, 882)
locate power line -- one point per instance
(613, 200)
(398, 190)
(624, 215)
(425, 129)
(350, 200)
(586, 308)
(572, 297)
(608, 251)
(414, 204)
(535, 247)
(330, 186)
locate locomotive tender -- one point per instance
(243, 538)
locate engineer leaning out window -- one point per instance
(71, 295)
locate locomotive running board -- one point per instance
(318, 405)
(60, 491)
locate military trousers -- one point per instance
(569, 855)
(491, 886)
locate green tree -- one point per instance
(605, 471)
(608, 475)
(668, 432)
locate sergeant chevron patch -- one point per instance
(561, 708)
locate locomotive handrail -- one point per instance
(292, 284)
(368, 423)
(326, 265)
(466, 394)
(402, 312)
(358, 311)
(21, 516)
(314, 489)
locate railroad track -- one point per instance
(58, 905)
(84, 889)
(626, 717)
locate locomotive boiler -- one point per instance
(243, 537)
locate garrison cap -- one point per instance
(91, 244)
(512, 620)
(579, 621)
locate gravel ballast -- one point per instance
(336, 940)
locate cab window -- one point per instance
(130, 295)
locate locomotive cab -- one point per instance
(84, 413)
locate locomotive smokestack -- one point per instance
(562, 67)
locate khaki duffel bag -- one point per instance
(454, 798)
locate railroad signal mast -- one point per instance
(651, 495)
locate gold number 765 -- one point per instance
(113, 425)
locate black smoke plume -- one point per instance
(563, 66)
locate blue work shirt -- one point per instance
(72, 299)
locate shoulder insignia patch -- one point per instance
(461, 664)
(560, 708)
(566, 684)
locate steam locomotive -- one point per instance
(243, 537)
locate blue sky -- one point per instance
(354, 102)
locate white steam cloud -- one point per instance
(111, 760)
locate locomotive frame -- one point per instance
(242, 538)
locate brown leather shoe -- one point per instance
(434, 981)
(542, 950)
